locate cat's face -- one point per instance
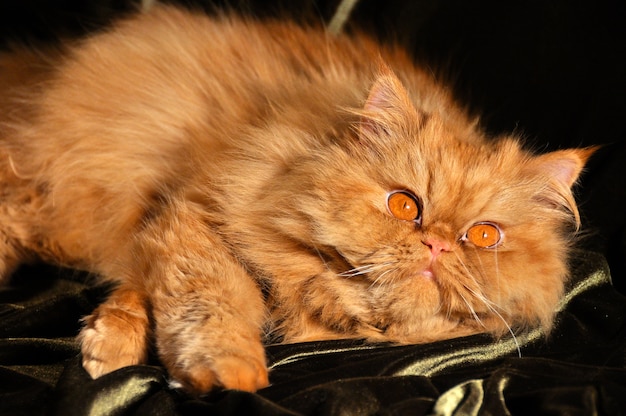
(439, 228)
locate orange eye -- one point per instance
(484, 235)
(404, 206)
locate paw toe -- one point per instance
(240, 374)
(230, 372)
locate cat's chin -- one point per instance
(427, 274)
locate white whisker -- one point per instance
(495, 254)
(439, 308)
(449, 313)
(379, 278)
(357, 271)
(491, 306)
(323, 260)
(472, 311)
(508, 327)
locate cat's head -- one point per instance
(442, 231)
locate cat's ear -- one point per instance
(562, 168)
(387, 108)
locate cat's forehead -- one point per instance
(438, 154)
(450, 174)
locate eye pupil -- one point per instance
(484, 235)
(403, 206)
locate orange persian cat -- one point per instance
(237, 179)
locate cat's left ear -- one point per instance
(387, 108)
(562, 168)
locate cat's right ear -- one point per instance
(387, 109)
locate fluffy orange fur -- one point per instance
(232, 179)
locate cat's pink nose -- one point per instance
(436, 246)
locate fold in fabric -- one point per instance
(580, 368)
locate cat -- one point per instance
(238, 180)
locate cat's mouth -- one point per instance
(378, 271)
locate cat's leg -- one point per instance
(115, 335)
(207, 312)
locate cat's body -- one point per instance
(234, 177)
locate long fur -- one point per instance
(231, 178)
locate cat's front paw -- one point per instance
(114, 336)
(202, 359)
(235, 372)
